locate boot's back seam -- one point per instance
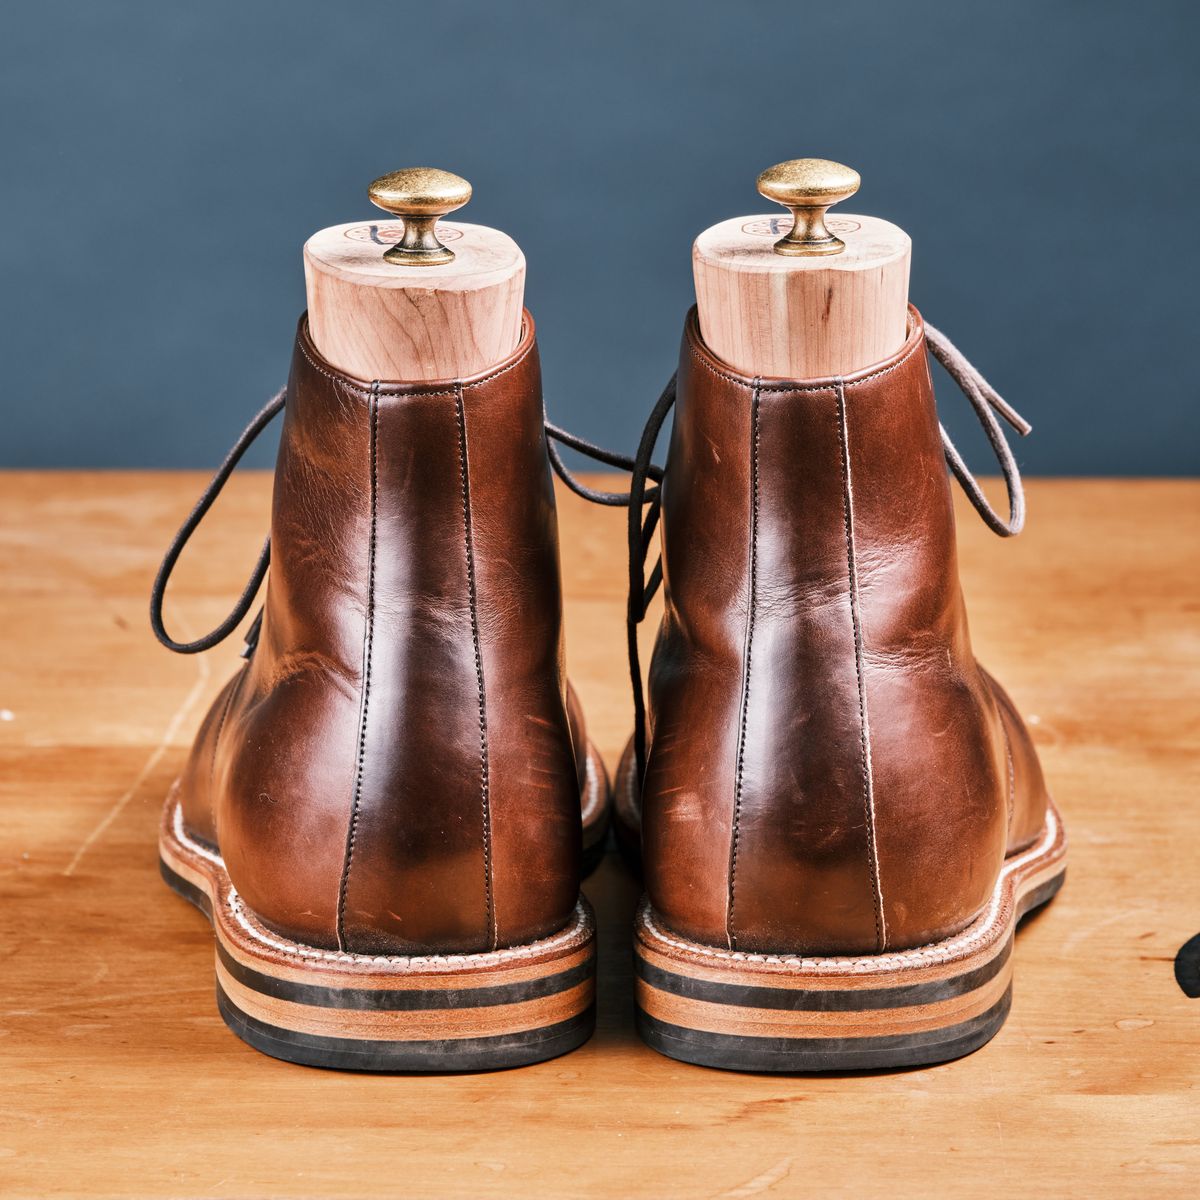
(472, 598)
(368, 643)
(856, 621)
(1011, 792)
(752, 599)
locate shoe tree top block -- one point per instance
(825, 299)
(410, 299)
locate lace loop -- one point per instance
(640, 535)
(610, 458)
(984, 398)
(645, 493)
(244, 602)
(640, 531)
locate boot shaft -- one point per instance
(399, 771)
(844, 769)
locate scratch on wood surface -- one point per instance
(997, 1094)
(203, 671)
(760, 1183)
(1086, 931)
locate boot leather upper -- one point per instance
(829, 770)
(397, 767)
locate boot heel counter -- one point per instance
(280, 808)
(396, 774)
(893, 831)
(535, 843)
(809, 871)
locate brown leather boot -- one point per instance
(843, 818)
(382, 810)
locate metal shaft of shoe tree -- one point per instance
(414, 298)
(805, 296)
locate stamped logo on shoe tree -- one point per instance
(808, 188)
(420, 196)
(778, 226)
(390, 234)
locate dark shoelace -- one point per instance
(984, 399)
(645, 492)
(245, 601)
(158, 592)
(640, 533)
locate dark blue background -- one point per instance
(164, 162)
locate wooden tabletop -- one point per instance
(118, 1078)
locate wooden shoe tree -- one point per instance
(412, 297)
(803, 296)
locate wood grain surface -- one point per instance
(802, 318)
(374, 319)
(119, 1079)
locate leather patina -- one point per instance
(397, 768)
(830, 771)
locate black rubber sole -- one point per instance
(353, 1054)
(804, 1000)
(195, 896)
(808, 1055)
(733, 1053)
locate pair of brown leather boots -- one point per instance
(388, 810)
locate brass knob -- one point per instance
(419, 196)
(808, 186)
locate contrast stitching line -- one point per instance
(830, 386)
(512, 366)
(368, 642)
(346, 382)
(856, 621)
(580, 928)
(473, 598)
(1050, 847)
(375, 389)
(730, 935)
(1012, 771)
